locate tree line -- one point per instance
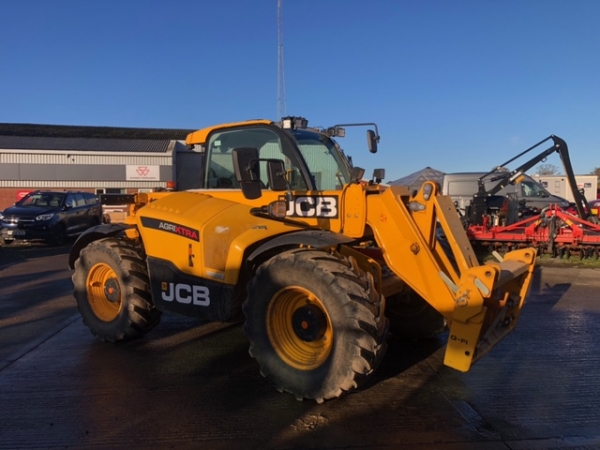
(551, 169)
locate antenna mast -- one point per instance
(281, 101)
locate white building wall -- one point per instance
(559, 185)
(8, 156)
(81, 184)
(84, 158)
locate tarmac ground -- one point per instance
(188, 385)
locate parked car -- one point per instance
(594, 206)
(50, 216)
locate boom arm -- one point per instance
(560, 146)
(482, 303)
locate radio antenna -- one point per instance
(281, 101)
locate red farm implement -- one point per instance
(555, 232)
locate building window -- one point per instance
(110, 191)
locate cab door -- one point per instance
(308, 203)
(219, 176)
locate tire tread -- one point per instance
(138, 314)
(362, 306)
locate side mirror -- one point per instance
(247, 171)
(372, 140)
(276, 173)
(378, 175)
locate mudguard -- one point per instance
(312, 238)
(93, 234)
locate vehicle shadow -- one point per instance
(23, 251)
(404, 353)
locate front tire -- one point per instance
(112, 290)
(315, 323)
(411, 316)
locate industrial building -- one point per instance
(559, 185)
(93, 159)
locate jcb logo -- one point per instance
(185, 293)
(313, 206)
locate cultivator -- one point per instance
(493, 225)
(554, 231)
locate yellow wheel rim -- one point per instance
(299, 328)
(104, 292)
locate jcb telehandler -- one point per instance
(318, 262)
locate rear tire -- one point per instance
(112, 290)
(315, 323)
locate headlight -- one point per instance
(1, 216)
(44, 217)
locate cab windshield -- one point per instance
(37, 200)
(328, 167)
(533, 189)
(321, 156)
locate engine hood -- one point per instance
(27, 211)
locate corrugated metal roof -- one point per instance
(84, 144)
(84, 138)
(71, 131)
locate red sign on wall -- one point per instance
(21, 194)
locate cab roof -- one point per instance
(199, 137)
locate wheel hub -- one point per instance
(309, 323)
(111, 290)
(299, 328)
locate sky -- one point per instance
(456, 85)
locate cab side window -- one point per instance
(220, 173)
(219, 164)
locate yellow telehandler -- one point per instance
(320, 264)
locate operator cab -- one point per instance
(312, 159)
